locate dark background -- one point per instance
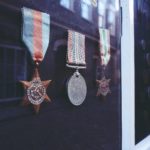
(96, 124)
(142, 69)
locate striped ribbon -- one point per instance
(104, 46)
(76, 48)
(36, 32)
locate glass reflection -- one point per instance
(111, 15)
(86, 9)
(101, 7)
(65, 3)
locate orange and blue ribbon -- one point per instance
(36, 31)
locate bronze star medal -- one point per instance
(35, 91)
(103, 86)
(36, 27)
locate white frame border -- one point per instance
(127, 80)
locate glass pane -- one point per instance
(142, 69)
(85, 127)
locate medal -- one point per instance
(36, 38)
(35, 91)
(103, 84)
(76, 89)
(76, 85)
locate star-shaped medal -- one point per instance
(103, 86)
(35, 91)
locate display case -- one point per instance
(94, 125)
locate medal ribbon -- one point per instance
(104, 46)
(36, 32)
(76, 48)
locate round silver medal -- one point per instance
(36, 92)
(76, 89)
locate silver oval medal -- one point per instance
(76, 89)
(36, 92)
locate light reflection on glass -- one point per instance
(65, 3)
(117, 5)
(86, 9)
(100, 21)
(111, 17)
(101, 8)
(88, 2)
